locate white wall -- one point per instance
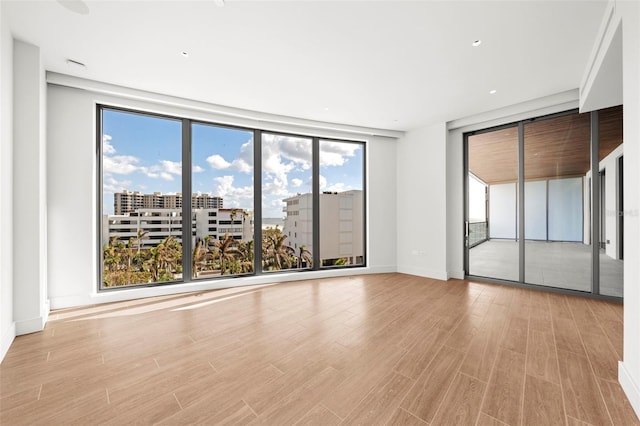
(30, 309)
(7, 325)
(565, 209)
(73, 262)
(382, 192)
(422, 202)
(455, 204)
(503, 211)
(535, 210)
(477, 200)
(629, 373)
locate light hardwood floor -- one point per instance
(371, 349)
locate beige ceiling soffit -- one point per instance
(156, 98)
(610, 22)
(562, 101)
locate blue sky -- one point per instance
(143, 153)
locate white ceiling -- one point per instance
(382, 64)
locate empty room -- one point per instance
(320, 212)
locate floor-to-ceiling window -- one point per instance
(221, 201)
(141, 199)
(341, 203)
(535, 178)
(287, 183)
(186, 200)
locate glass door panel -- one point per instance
(492, 207)
(557, 211)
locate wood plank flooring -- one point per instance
(372, 349)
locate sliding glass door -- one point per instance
(492, 224)
(536, 178)
(557, 217)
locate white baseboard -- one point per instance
(459, 275)
(630, 387)
(7, 340)
(32, 325)
(423, 272)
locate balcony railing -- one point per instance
(477, 233)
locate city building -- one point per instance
(154, 225)
(341, 221)
(129, 201)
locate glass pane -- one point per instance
(222, 201)
(287, 239)
(492, 207)
(141, 199)
(341, 203)
(611, 201)
(557, 212)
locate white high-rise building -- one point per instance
(157, 224)
(341, 222)
(130, 201)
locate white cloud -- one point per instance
(217, 162)
(336, 153)
(120, 164)
(337, 187)
(242, 163)
(111, 185)
(197, 169)
(323, 182)
(334, 187)
(165, 170)
(295, 182)
(233, 196)
(173, 167)
(107, 148)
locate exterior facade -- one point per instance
(341, 221)
(154, 225)
(130, 201)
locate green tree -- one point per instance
(304, 256)
(227, 250)
(275, 252)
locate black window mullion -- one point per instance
(315, 187)
(187, 251)
(257, 202)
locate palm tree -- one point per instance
(197, 257)
(304, 256)
(141, 235)
(111, 254)
(245, 261)
(278, 251)
(227, 251)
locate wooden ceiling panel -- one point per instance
(493, 156)
(554, 147)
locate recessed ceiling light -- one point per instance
(185, 54)
(492, 92)
(326, 108)
(476, 43)
(78, 66)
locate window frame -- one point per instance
(187, 211)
